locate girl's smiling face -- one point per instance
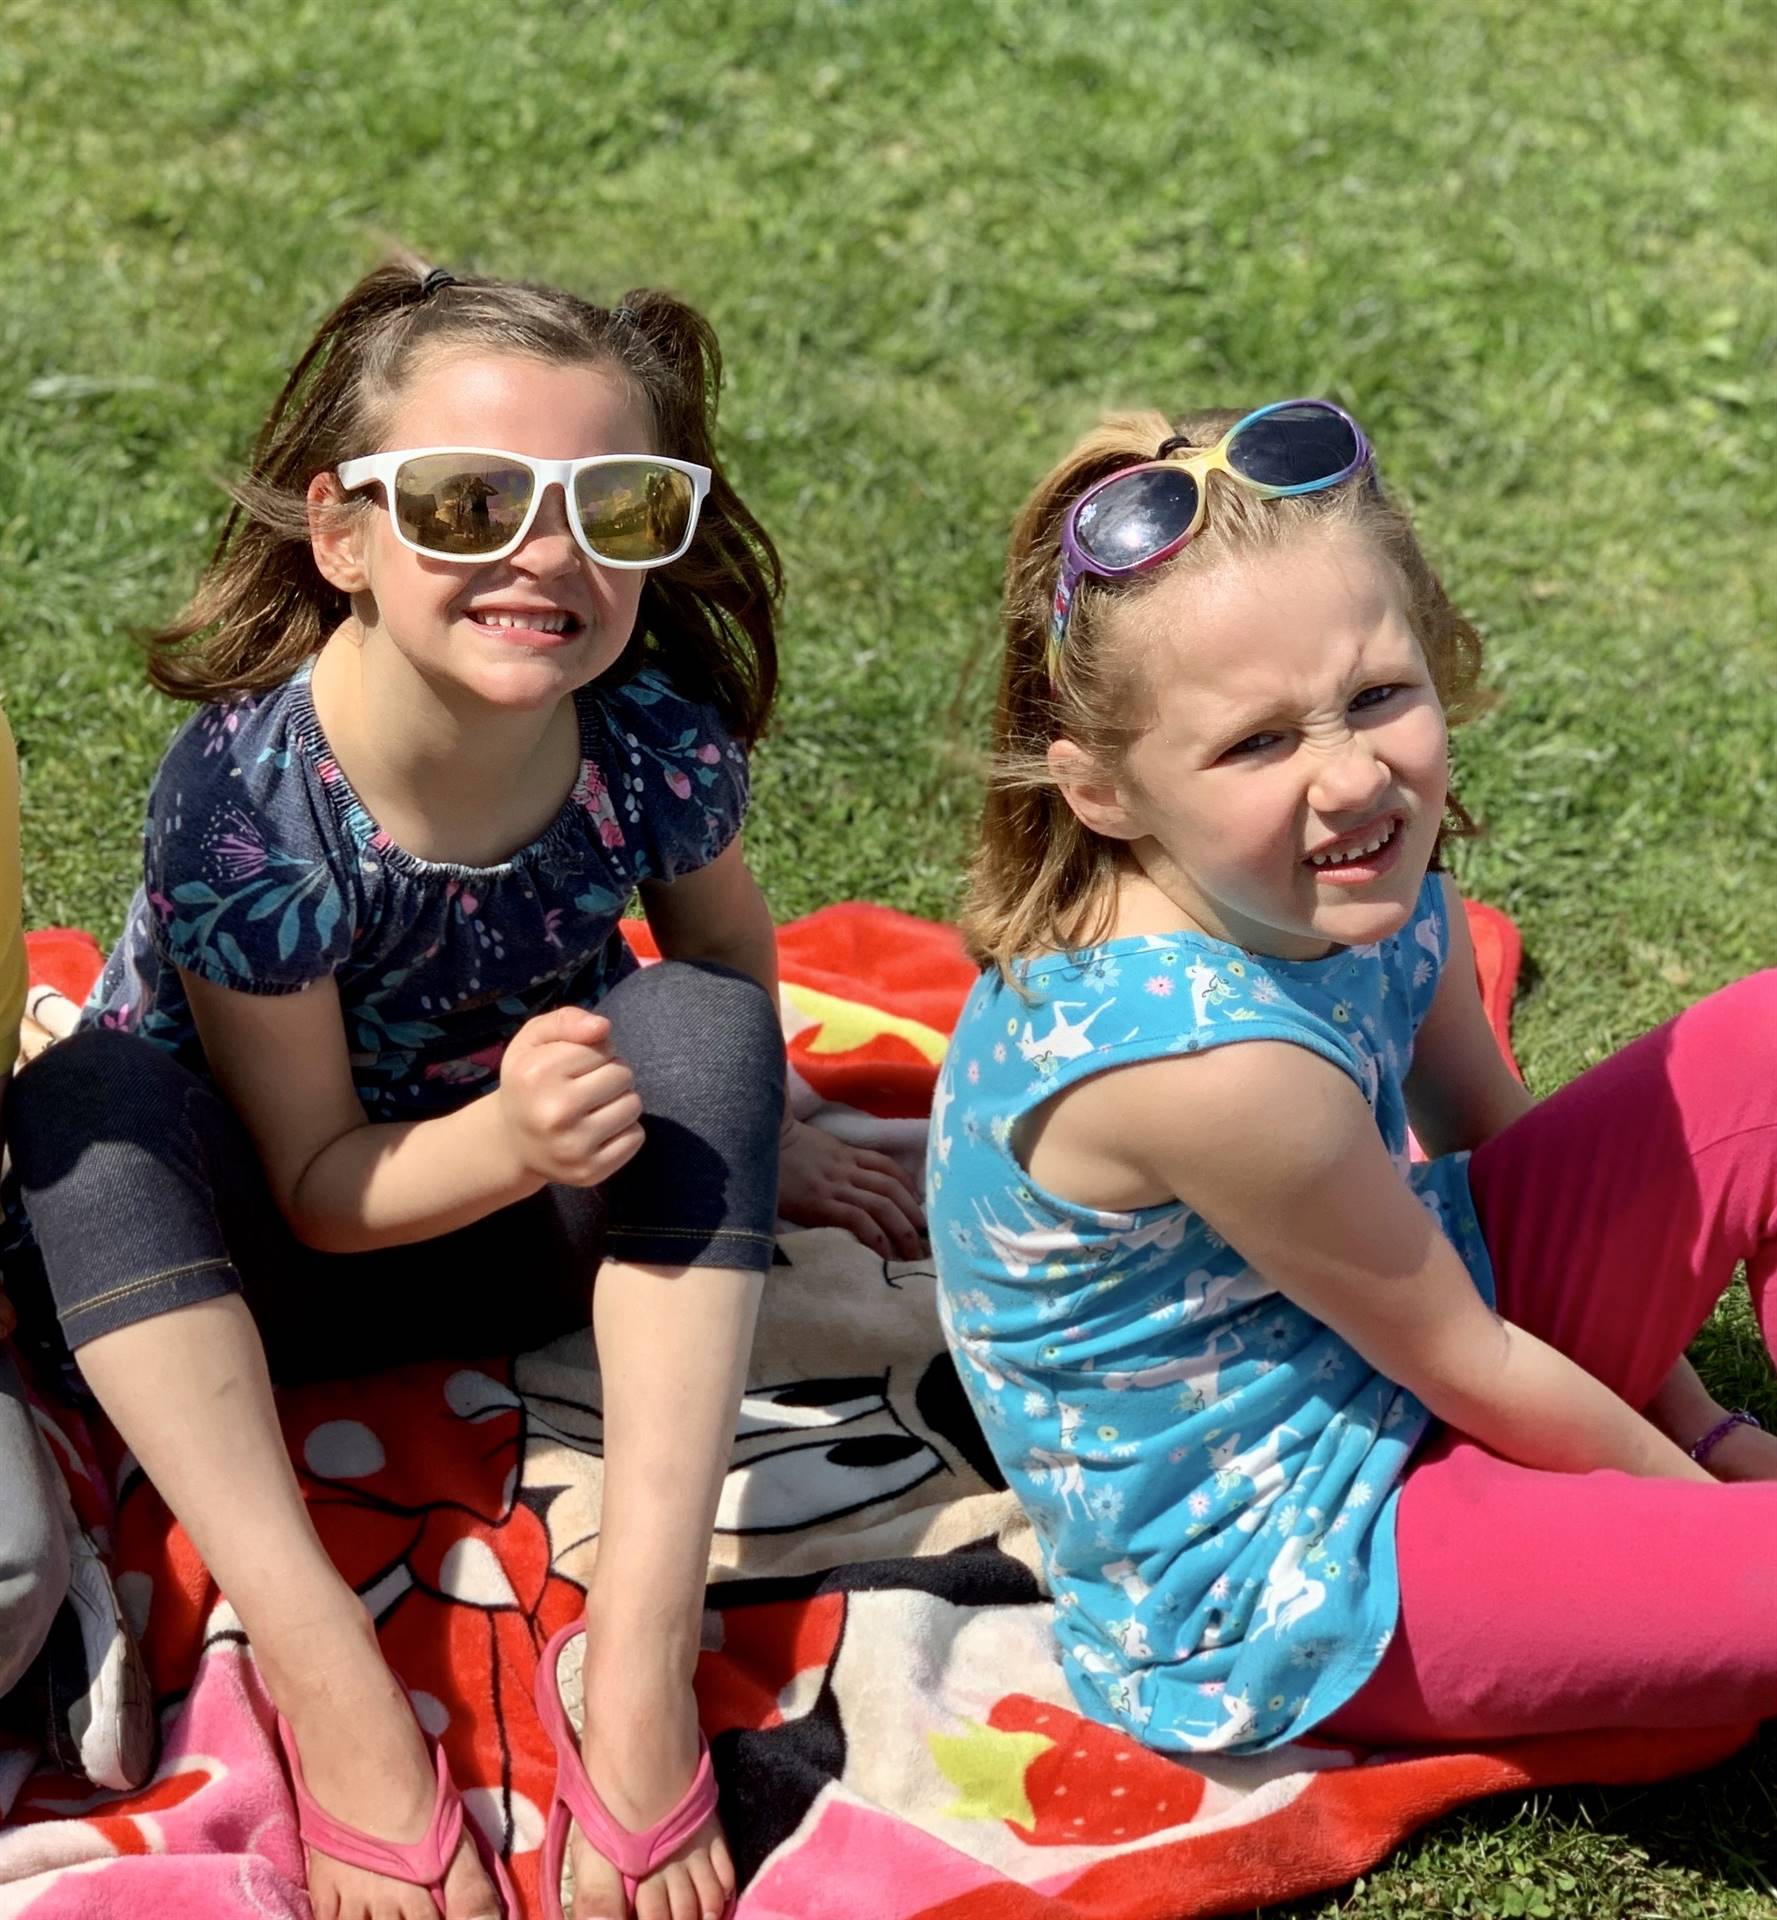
(1295, 725)
(525, 631)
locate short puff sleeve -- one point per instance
(678, 778)
(243, 883)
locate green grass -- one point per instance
(1529, 244)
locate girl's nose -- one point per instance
(1349, 780)
(550, 546)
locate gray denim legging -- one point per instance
(145, 1194)
(33, 1545)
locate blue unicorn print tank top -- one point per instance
(1211, 1473)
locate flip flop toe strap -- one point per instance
(634, 1854)
(421, 1863)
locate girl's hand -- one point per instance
(824, 1181)
(569, 1105)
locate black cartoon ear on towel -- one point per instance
(809, 1451)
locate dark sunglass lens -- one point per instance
(460, 504)
(635, 509)
(1293, 446)
(1130, 520)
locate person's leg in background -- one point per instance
(33, 1546)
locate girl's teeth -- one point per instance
(535, 622)
(1352, 853)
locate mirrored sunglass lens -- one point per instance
(1292, 446)
(1133, 518)
(455, 503)
(635, 509)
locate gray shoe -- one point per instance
(100, 1718)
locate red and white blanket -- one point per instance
(890, 1728)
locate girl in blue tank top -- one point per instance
(1204, 1299)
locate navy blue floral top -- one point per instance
(263, 872)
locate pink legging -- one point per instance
(1537, 1602)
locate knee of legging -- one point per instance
(98, 1084)
(700, 1017)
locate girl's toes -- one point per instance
(598, 1887)
(652, 1900)
(468, 1892)
(722, 1861)
(681, 1893)
(712, 1896)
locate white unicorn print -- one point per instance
(1060, 1472)
(1215, 1291)
(1370, 1068)
(1121, 1695)
(1258, 1464)
(1019, 1249)
(1289, 1594)
(1126, 1235)
(1201, 1370)
(1207, 988)
(1066, 1040)
(1426, 933)
(1239, 1710)
(978, 1351)
(1132, 1637)
(1122, 1573)
(943, 1097)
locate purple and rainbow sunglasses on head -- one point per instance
(1142, 515)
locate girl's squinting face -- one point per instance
(487, 627)
(1289, 794)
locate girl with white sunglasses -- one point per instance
(481, 651)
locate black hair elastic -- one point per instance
(436, 278)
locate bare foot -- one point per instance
(640, 1744)
(366, 1762)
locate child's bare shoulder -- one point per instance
(1168, 1128)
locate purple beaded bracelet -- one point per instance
(1720, 1431)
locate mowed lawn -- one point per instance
(1530, 245)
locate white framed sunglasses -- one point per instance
(479, 503)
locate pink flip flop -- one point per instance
(421, 1863)
(576, 1802)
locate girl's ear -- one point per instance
(1097, 802)
(335, 539)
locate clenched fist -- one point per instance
(569, 1105)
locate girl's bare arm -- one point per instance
(563, 1111)
(1460, 1090)
(1278, 1151)
(716, 913)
